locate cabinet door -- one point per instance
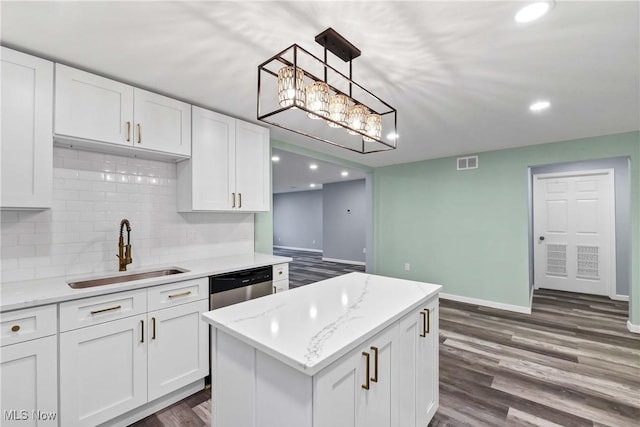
(337, 390)
(29, 381)
(27, 144)
(348, 394)
(93, 107)
(103, 371)
(213, 149)
(418, 366)
(428, 373)
(253, 167)
(161, 123)
(178, 347)
(376, 404)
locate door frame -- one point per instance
(610, 173)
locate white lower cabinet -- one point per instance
(178, 347)
(280, 277)
(103, 371)
(130, 356)
(418, 367)
(359, 390)
(29, 368)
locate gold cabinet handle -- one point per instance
(374, 378)
(233, 195)
(426, 322)
(139, 134)
(153, 328)
(128, 131)
(239, 200)
(366, 384)
(142, 331)
(117, 307)
(181, 294)
(16, 328)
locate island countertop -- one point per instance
(309, 327)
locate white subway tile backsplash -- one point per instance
(92, 192)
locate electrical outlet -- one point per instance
(407, 266)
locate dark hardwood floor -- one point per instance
(308, 267)
(572, 362)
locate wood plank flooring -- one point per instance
(572, 362)
(308, 267)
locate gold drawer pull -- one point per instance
(239, 200)
(142, 331)
(426, 322)
(366, 384)
(375, 364)
(128, 131)
(153, 329)
(139, 134)
(274, 290)
(15, 328)
(181, 294)
(117, 307)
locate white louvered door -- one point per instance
(574, 229)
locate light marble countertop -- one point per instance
(31, 293)
(310, 327)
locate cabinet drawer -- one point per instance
(280, 272)
(31, 323)
(96, 310)
(177, 293)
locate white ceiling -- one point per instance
(292, 172)
(461, 74)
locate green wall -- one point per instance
(468, 230)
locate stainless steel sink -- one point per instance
(110, 280)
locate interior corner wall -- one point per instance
(297, 220)
(344, 221)
(468, 230)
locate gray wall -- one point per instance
(297, 219)
(344, 220)
(622, 180)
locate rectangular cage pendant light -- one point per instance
(300, 92)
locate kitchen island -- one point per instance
(353, 350)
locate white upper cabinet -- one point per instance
(91, 109)
(162, 124)
(229, 169)
(27, 150)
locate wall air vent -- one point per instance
(465, 163)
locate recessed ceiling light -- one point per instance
(533, 11)
(275, 158)
(344, 173)
(539, 105)
(312, 185)
(313, 166)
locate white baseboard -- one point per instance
(344, 261)
(633, 328)
(485, 303)
(620, 297)
(298, 249)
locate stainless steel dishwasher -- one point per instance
(231, 288)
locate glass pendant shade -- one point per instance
(356, 118)
(338, 110)
(317, 100)
(373, 127)
(290, 90)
